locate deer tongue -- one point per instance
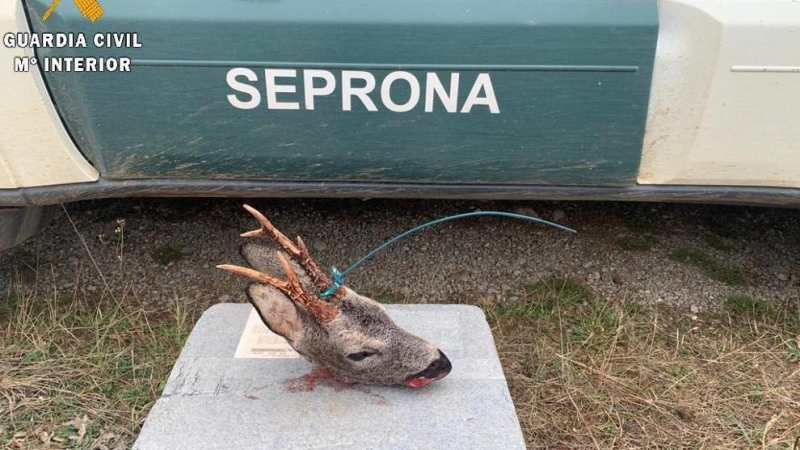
(418, 382)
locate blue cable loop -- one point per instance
(338, 281)
(338, 277)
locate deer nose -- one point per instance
(441, 366)
(438, 369)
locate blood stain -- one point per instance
(310, 381)
(321, 376)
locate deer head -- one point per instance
(351, 335)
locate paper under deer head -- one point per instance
(350, 334)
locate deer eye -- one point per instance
(360, 356)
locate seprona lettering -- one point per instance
(398, 91)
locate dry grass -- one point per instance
(604, 375)
(78, 373)
(583, 373)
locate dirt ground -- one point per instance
(655, 326)
(688, 257)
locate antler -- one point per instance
(298, 253)
(292, 287)
(322, 311)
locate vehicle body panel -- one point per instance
(571, 79)
(725, 104)
(35, 149)
(721, 126)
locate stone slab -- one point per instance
(215, 401)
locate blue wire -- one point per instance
(338, 277)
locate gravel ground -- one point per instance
(622, 251)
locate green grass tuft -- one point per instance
(713, 268)
(716, 242)
(595, 328)
(387, 299)
(544, 298)
(745, 304)
(166, 254)
(637, 243)
(793, 349)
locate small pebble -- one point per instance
(527, 212)
(462, 276)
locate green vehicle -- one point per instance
(678, 100)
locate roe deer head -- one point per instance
(351, 335)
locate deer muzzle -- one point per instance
(437, 370)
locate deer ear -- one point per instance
(277, 311)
